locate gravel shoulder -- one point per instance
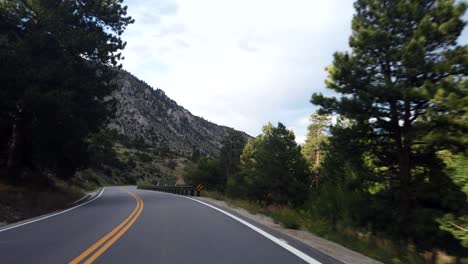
(327, 247)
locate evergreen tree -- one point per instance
(403, 87)
(457, 226)
(233, 144)
(206, 171)
(313, 149)
(273, 169)
(57, 60)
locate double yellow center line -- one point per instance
(105, 242)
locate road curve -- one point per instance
(126, 225)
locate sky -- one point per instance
(240, 63)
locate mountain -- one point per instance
(149, 115)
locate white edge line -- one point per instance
(51, 215)
(279, 242)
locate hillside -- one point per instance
(151, 138)
(149, 115)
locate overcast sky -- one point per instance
(239, 63)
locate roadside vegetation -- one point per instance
(362, 241)
(383, 168)
(22, 202)
(117, 159)
(57, 62)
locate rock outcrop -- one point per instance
(149, 115)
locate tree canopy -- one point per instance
(57, 66)
(231, 151)
(273, 169)
(313, 149)
(403, 88)
(214, 172)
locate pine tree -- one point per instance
(403, 87)
(206, 171)
(233, 144)
(314, 143)
(57, 60)
(273, 169)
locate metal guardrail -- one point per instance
(177, 189)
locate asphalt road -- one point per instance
(126, 225)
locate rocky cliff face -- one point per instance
(149, 115)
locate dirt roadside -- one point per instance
(20, 203)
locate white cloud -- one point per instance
(238, 63)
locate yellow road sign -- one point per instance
(200, 187)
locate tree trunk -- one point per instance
(317, 158)
(403, 153)
(14, 162)
(405, 160)
(434, 256)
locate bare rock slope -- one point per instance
(149, 115)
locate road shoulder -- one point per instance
(88, 197)
(324, 246)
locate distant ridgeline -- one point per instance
(150, 116)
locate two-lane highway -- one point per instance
(126, 225)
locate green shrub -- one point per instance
(287, 218)
(143, 157)
(144, 183)
(213, 194)
(172, 164)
